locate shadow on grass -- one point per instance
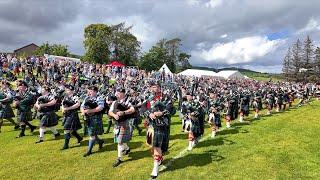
(179, 136)
(215, 142)
(233, 130)
(195, 160)
(139, 155)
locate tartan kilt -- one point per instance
(94, 125)
(71, 122)
(245, 110)
(161, 138)
(217, 120)
(6, 112)
(48, 119)
(24, 116)
(196, 128)
(122, 131)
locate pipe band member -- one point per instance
(123, 113)
(45, 106)
(92, 108)
(71, 121)
(6, 99)
(23, 101)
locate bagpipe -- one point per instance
(2, 96)
(92, 104)
(159, 121)
(189, 119)
(44, 100)
(121, 107)
(69, 103)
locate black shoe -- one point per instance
(56, 135)
(153, 177)
(101, 142)
(40, 141)
(126, 151)
(20, 135)
(117, 163)
(80, 139)
(65, 147)
(32, 128)
(87, 154)
(16, 127)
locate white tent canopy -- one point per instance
(230, 75)
(197, 73)
(165, 68)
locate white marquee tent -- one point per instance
(197, 73)
(230, 75)
(166, 69)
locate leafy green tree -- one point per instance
(54, 49)
(126, 47)
(172, 55)
(96, 43)
(115, 42)
(153, 59)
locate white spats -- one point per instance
(228, 124)
(241, 119)
(155, 170)
(191, 144)
(120, 149)
(41, 133)
(213, 134)
(53, 130)
(125, 146)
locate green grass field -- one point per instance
(283, 146)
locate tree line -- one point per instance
(104, 43)
(302, 62)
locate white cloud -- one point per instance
(244, 50)
(193, 2)
(201, 45)
(146, 32)
(313, 25)
(224, 36)
(214, 3)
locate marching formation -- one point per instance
(85, 93)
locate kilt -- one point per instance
(48, 119)
(24, 116)
(161, 138)
(71, 121)
(245, 110)
(6, 112)
(122, 131)
(196, 128)
(217, 120)
(94, 125)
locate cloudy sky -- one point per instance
(217, 33)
